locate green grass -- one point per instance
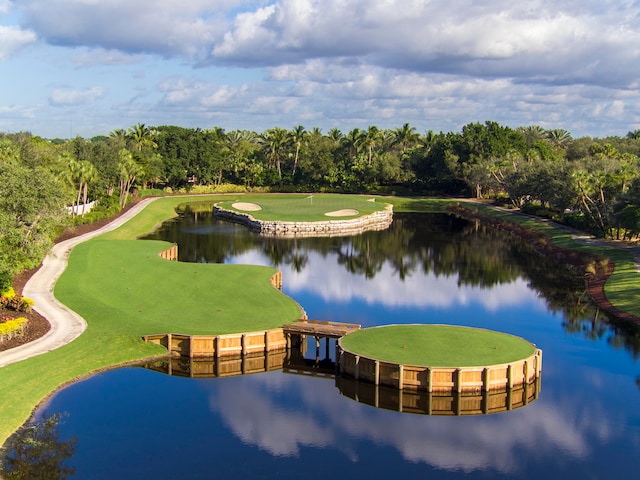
(437, 345)
(124, 290)
(305, 208)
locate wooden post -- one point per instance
(400, 377)
(458, 380)
(243, 342)
(356, 369)
(377, 375)
(429, 382)
(266, 340)
(510, 376)
(485, 379)
(485, 401)
(216, 347)
(191, 346)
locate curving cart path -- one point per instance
(66, 325)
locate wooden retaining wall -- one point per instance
(439, 403)
(440, 379)
(193, 346)
(227, 366)
(380, 220)
(170, 253)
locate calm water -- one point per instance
(138, 423)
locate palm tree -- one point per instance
(141, 136)
(559, 137)
(275, 139)
(336, 135)
(353, 141)
(634, 135)
(298, 135)
(405, 136)
(129, 170)
(371, 139)
(532, 134)
(80, 173)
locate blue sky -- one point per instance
(87, 67)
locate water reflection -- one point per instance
(37, 452)
(319, 418)
(404, 401)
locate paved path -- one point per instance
(66, 325)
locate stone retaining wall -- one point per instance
(328, 228)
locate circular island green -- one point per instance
(439, 357)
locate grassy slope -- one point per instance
(437, 345)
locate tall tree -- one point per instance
(141, 136)
(405, 136)
(298, 135)
(128, 171)
(275, 140)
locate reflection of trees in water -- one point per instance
(438, 244)
(36, 452)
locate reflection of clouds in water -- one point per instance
(257, 419)
(417, 290)
(320, 417)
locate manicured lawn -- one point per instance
(437, 345)
(305, 208)
(124, 290)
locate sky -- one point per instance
(87, 67)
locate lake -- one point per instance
(138, 422)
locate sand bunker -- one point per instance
(347, 212)
(247, 207)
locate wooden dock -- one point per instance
(320, 328)
(296, 333)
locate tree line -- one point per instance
(590, 183)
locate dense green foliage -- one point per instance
(593, 184)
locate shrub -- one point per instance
(9, 293)
(17, 302)
(5, 280)
(26, 304)
(9, 327)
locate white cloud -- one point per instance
(13, 39)
(339, 63)
(163, 27)
(61, 97)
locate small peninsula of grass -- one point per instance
(437, 345)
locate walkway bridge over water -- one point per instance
(297, 332)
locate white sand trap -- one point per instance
(347, 212)
(247, 207)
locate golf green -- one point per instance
(437, 345)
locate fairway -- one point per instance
(437, 345)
